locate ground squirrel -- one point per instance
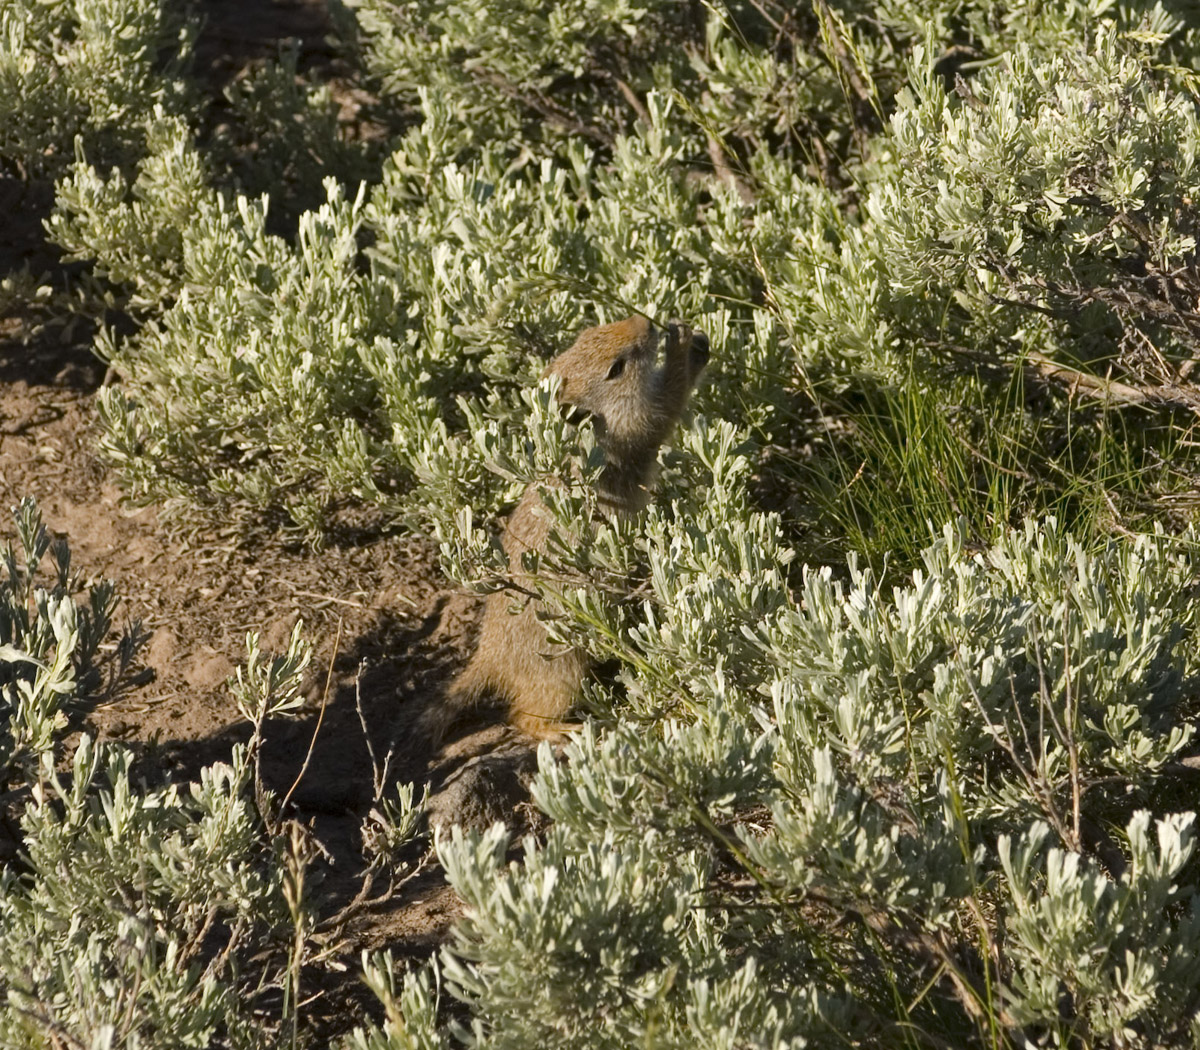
(610, 374)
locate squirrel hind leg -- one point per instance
(542, 728)
(545, 696)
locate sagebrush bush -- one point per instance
(138, 915)
(49, 644)
(90, 72)
(151, 901)
(128, 915)
(973, 769)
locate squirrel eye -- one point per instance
(618, 367)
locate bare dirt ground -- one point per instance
(388, 631)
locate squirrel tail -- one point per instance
(439, 717)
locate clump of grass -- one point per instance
(925, 450)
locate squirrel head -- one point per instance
(610, 374)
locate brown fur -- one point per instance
(634, 412)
